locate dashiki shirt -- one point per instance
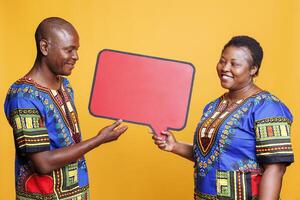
(232, 142)
(43, 119)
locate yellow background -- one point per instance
(192, 30)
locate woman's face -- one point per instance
(234, 68)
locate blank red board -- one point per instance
(142, 89)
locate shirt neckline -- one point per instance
(29, 79)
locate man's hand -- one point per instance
(112, 132)
(47, 161)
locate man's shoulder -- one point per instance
(23, 90)
(67, 85)
(21, 85)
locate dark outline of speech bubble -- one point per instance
(135, 54)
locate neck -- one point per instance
(242, 93)
(41, 74)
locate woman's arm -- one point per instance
(270, 185)
(171, 145)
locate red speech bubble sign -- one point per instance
(142, 89)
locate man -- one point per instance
(41, 111)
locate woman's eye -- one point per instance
(222, 61)
(234, 64)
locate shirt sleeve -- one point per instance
(28, 125)
(273, 133)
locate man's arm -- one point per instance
(270, 186)
(47, 161)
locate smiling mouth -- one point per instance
(71, 65)
(226, 77)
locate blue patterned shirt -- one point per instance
(45, 120)
(232, 142)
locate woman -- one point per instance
(242, 143)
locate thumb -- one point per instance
(166, 133)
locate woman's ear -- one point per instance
(253, 70)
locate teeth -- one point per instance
(225, 77)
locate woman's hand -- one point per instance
(166, 143)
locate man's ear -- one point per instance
(44, 47)
(253, 70)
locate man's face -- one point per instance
(62, 51)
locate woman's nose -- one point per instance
(226, 66)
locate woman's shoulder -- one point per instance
(266, 96)
(267, 105)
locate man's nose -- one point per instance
(75, 56)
